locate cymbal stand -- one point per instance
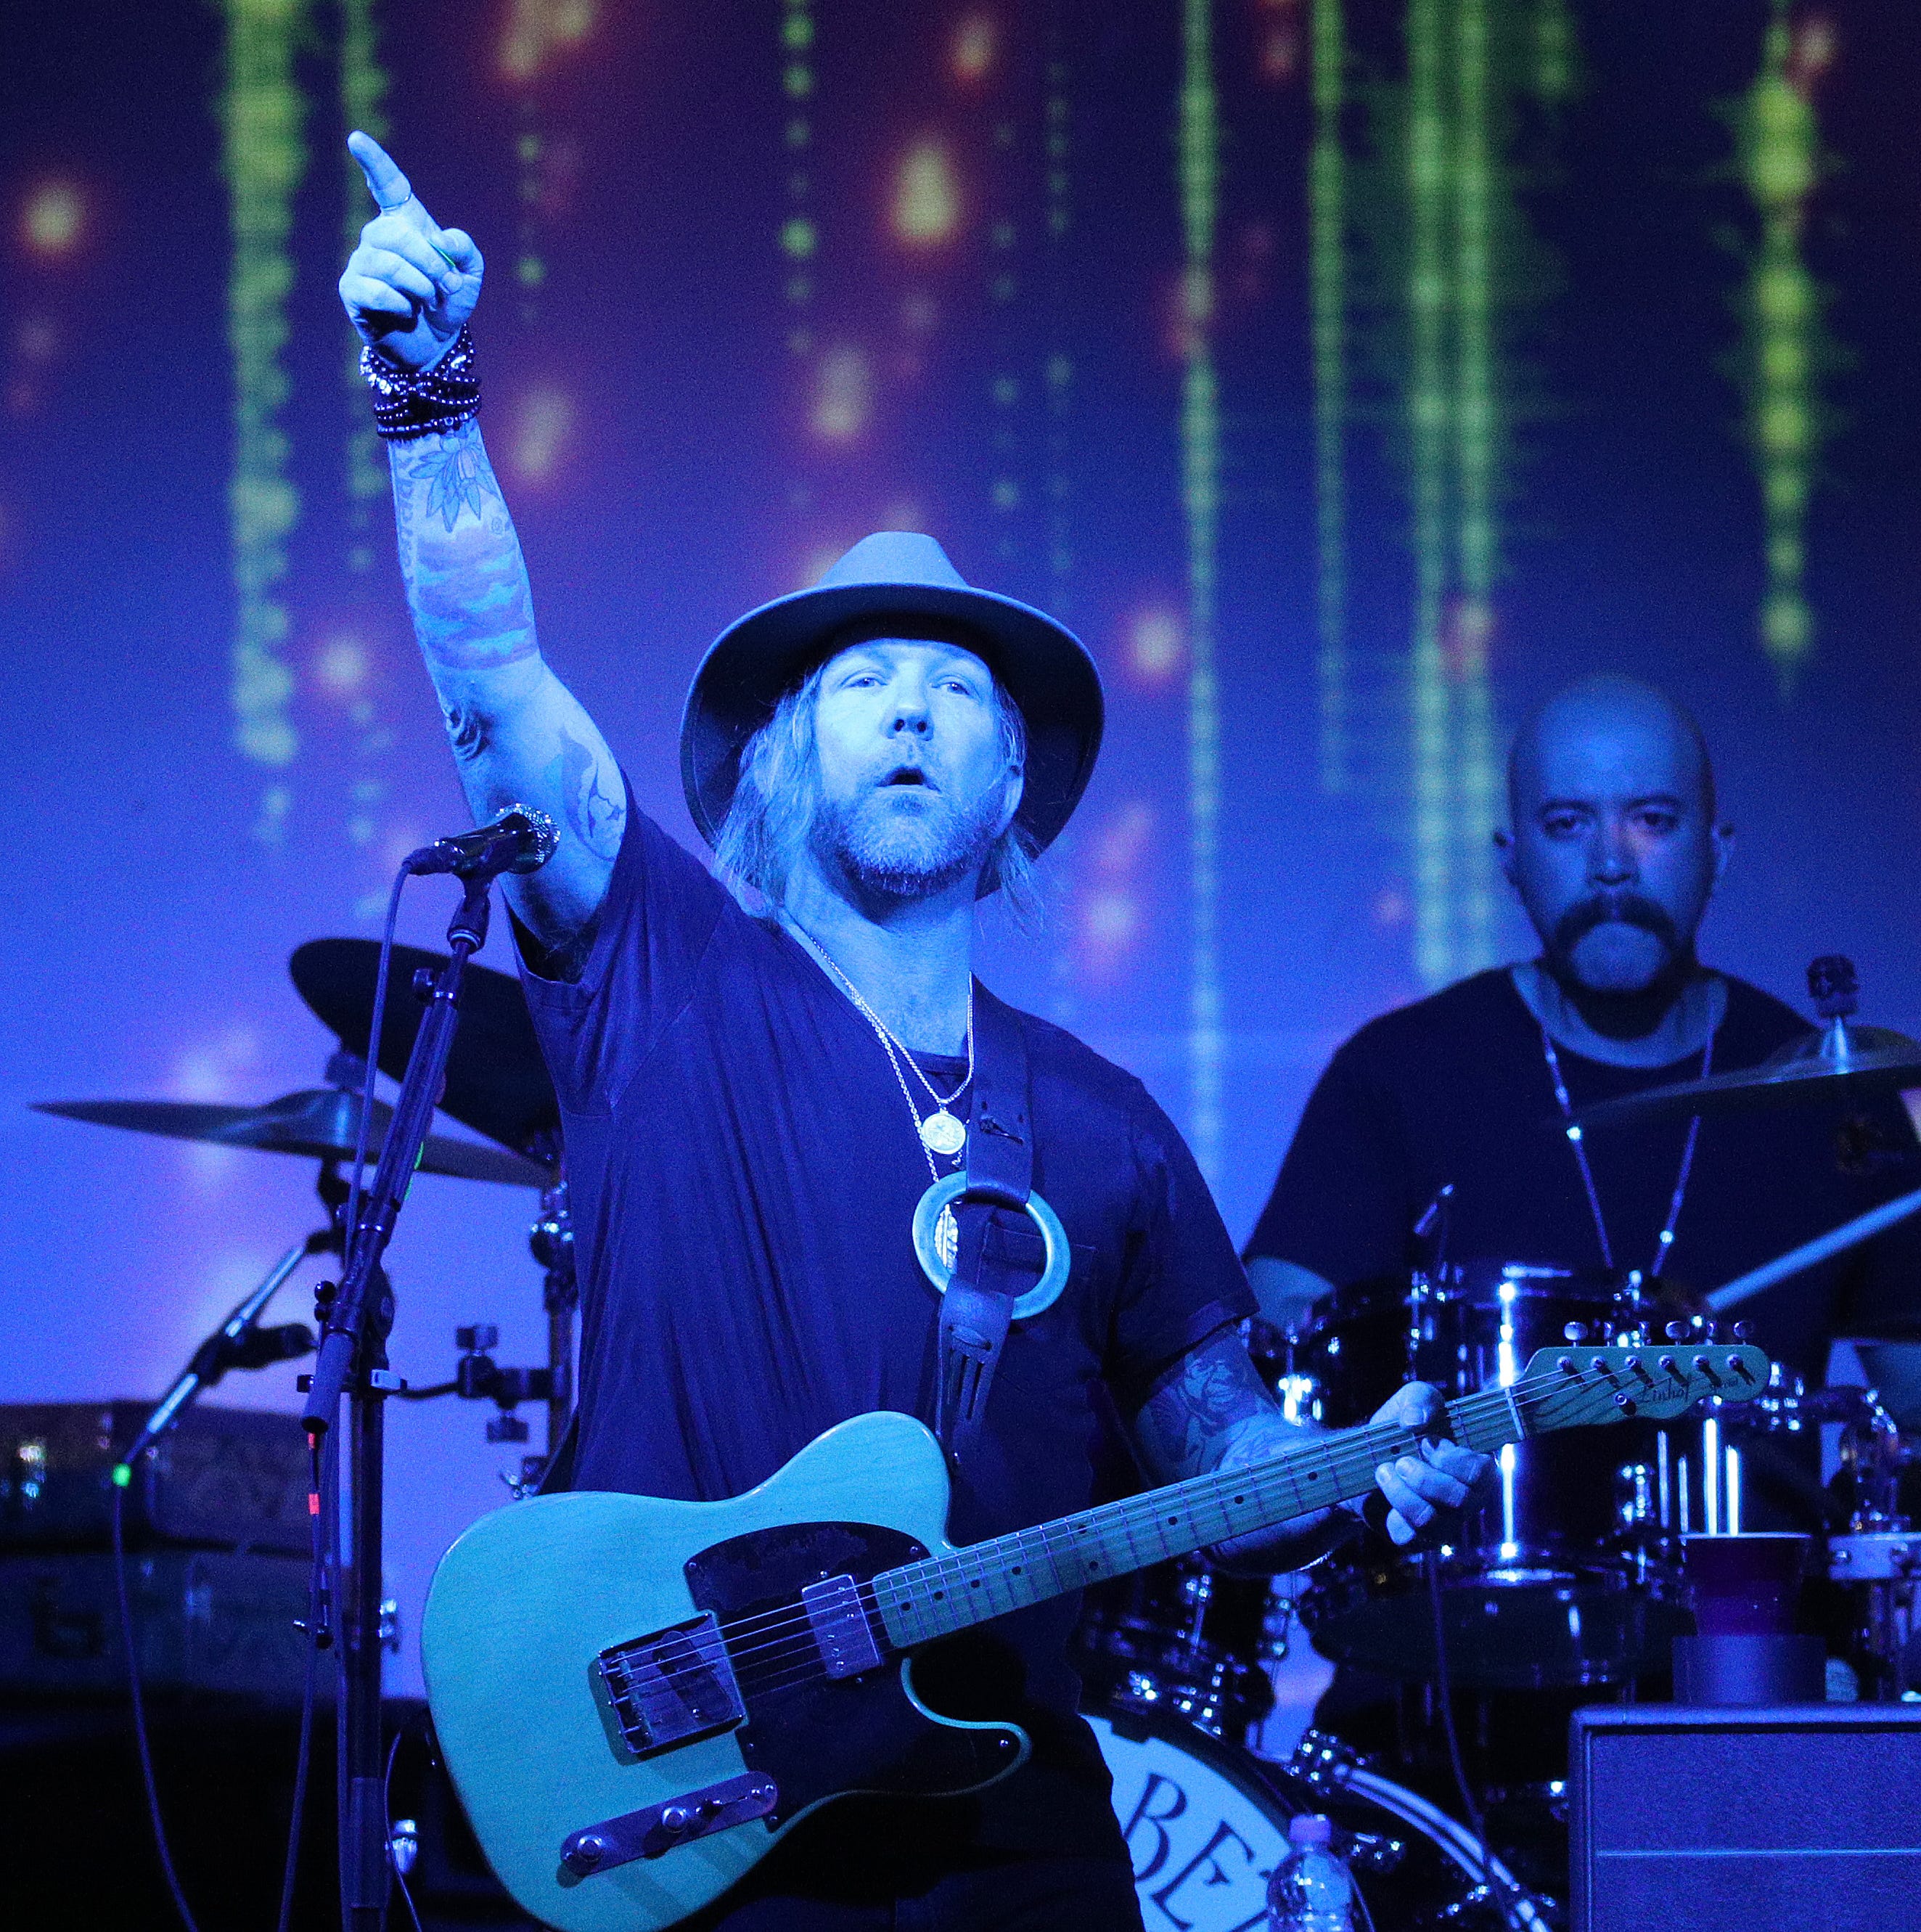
(352, 1361)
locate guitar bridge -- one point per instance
(672, 1686)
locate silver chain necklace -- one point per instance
(942, 1131)
(1665, 1240)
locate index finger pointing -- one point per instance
(384, 182)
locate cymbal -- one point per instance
(1840, 1064)
(496, 1081)
(319, 1122)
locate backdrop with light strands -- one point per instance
(1348, 374)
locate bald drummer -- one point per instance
(1614, 848)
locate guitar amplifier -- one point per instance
(220, 1477)
(204, 1621)
(1742, 1819)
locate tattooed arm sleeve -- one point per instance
(1211, 1410)
(517, 733)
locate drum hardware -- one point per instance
(1324, 1764)
(1182, 1641)
(1838, 1062)
(1547, 1585)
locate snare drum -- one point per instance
(1555, 1582)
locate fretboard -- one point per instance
(935, 1597)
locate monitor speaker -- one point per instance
(1745, 1820)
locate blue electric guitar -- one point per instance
(637, 1698)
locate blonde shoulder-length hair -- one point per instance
(772, 812)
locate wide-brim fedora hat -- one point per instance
(895, 582)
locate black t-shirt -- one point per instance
(744, 1172)
(1456, 1088)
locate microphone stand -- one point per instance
(352, 1361)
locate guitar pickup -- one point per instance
(840, 1628)
(654, 1831)
(672, 1686)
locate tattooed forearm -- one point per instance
(1202, 1406)
(466, 579)
(519, 736)
(1211, 1410)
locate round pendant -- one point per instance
(943, 1134)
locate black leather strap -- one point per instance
(978, 1309)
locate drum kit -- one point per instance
(1568, 1588)
(496, 1084)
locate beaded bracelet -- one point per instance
(429, 403)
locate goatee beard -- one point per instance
(909, 861)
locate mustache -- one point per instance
(1611, 908)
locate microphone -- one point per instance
(518, 839)
(239, 1342)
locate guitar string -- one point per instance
(805, 1664)
(795, 1628)
(1372, 1447)
(801, 1664)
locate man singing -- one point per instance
(759, 1085)
(1614, 847)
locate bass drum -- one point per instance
(1205, 1824)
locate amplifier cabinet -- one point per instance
(204, 1621)
(220, 1477)
(1803, 1817)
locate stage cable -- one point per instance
(1431, 1563)
(173, 1877)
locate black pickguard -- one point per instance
(815, 1736)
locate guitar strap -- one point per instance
(978, 1309)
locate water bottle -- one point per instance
(1310, 1890)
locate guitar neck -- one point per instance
(940, 1595)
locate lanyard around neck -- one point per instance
(1665, 1241)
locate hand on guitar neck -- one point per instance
(1211, 1411)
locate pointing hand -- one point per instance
(411, 284)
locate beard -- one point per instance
(1618, 943)
(889, 849)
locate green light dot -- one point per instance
(798, 80)
(122, 1475)
(528, 147)
(797, 32)
(531, 270)
(1006, 494)
(1006, 391)
(798, 133)
(798, 238)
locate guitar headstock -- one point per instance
(1566, 1387)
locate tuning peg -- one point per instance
(1743, 1331)
(1676, 1331)
(1575, 1331)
